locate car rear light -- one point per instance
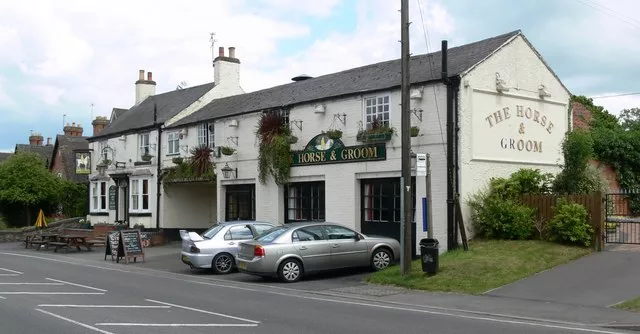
(194, 249)
(258, 251)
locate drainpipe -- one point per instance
(158, 161)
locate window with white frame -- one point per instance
(376, 108)
(143, 143)
(206, 135)
(139, 191)
(99, 196)
(174, 142)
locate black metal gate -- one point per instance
(622, 223)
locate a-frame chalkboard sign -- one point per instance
(124, 244)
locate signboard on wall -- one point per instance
(323, 150)
(512, 129)
(112, 197)
(83, 163)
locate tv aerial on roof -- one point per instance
(182, 85)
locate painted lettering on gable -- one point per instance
(526, 116)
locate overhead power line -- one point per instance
(614, 95)
(606, 10)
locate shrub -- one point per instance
(571, 224)
(496, 218)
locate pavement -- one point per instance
(162, 295)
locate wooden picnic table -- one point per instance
(70, 240)
(40, 239)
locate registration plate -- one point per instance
(242, 265)
(185, 259)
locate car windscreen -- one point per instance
(211, 232)
(271, 234)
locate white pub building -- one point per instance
(505, 107)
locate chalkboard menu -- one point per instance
(126, 244)
(112, 197)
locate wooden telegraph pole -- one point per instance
(405, 183)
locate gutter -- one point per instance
(158, 163)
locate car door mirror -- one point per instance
(358, 237)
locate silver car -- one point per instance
(217, 247)
(292, 250)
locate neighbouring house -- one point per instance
(131, 150)
(36, 146)
(71, 155)
(4, 156)
(507, 110)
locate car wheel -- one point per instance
(222, 264)
(290, 271)
(381, 259)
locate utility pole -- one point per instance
(406, 219)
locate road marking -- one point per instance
(12, 271)
(203, 311)
(75, 284)
(3, 297)
(260, 288)
(4, 275)
(172, 325)
(48, 293)
(74, 322)
(31, 284)
(104, 306)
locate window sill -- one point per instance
(102, 213)
(172, 154)
(140, 214)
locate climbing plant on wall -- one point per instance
(274, 152)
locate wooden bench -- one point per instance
(97, 241)
(58, 245)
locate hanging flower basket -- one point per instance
(415, 131)
(178, 160)
(147, 157)
(334, 134)
(226, 150)
(293, 139)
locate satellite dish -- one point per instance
(182, 85)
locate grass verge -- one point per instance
(487, 265)
(630, 305)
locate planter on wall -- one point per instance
(374, 137)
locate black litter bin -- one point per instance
(429, 255)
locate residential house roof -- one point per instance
(44, 151)
(141, 116)
(66, 146)
(4, 156)
(375, 77)
(116, 112)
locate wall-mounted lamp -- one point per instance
(417, 112)
(101, 169)
(233, 123)
(341, 117)
(122, 183)
(233, 139)
(228, 171)
(501, 86)
(320, 108)
(297, 123)
(543, 92)
(416, 94)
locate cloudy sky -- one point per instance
(60, 57)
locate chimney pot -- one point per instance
(232, 52)
(221, 51)
(141, 76)
(149, 76)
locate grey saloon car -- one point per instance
(217, 247)
(289, 251)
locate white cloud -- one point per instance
(5, 100)
(48, 94)
(321, 8)
(615, 104)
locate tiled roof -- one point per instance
(44, 151)
(141, 116)
(4, 156)
(380, 76)
(66, 145)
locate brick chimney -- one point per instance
(73, 130)
(49, 143)
(144, 88)
(99, 124)
(227, 69)
(35, 139)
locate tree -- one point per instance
(630, 119)
(26, 185)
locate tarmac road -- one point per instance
(45, 294)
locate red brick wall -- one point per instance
(57, 164)
(608, 173)
(581, 116)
